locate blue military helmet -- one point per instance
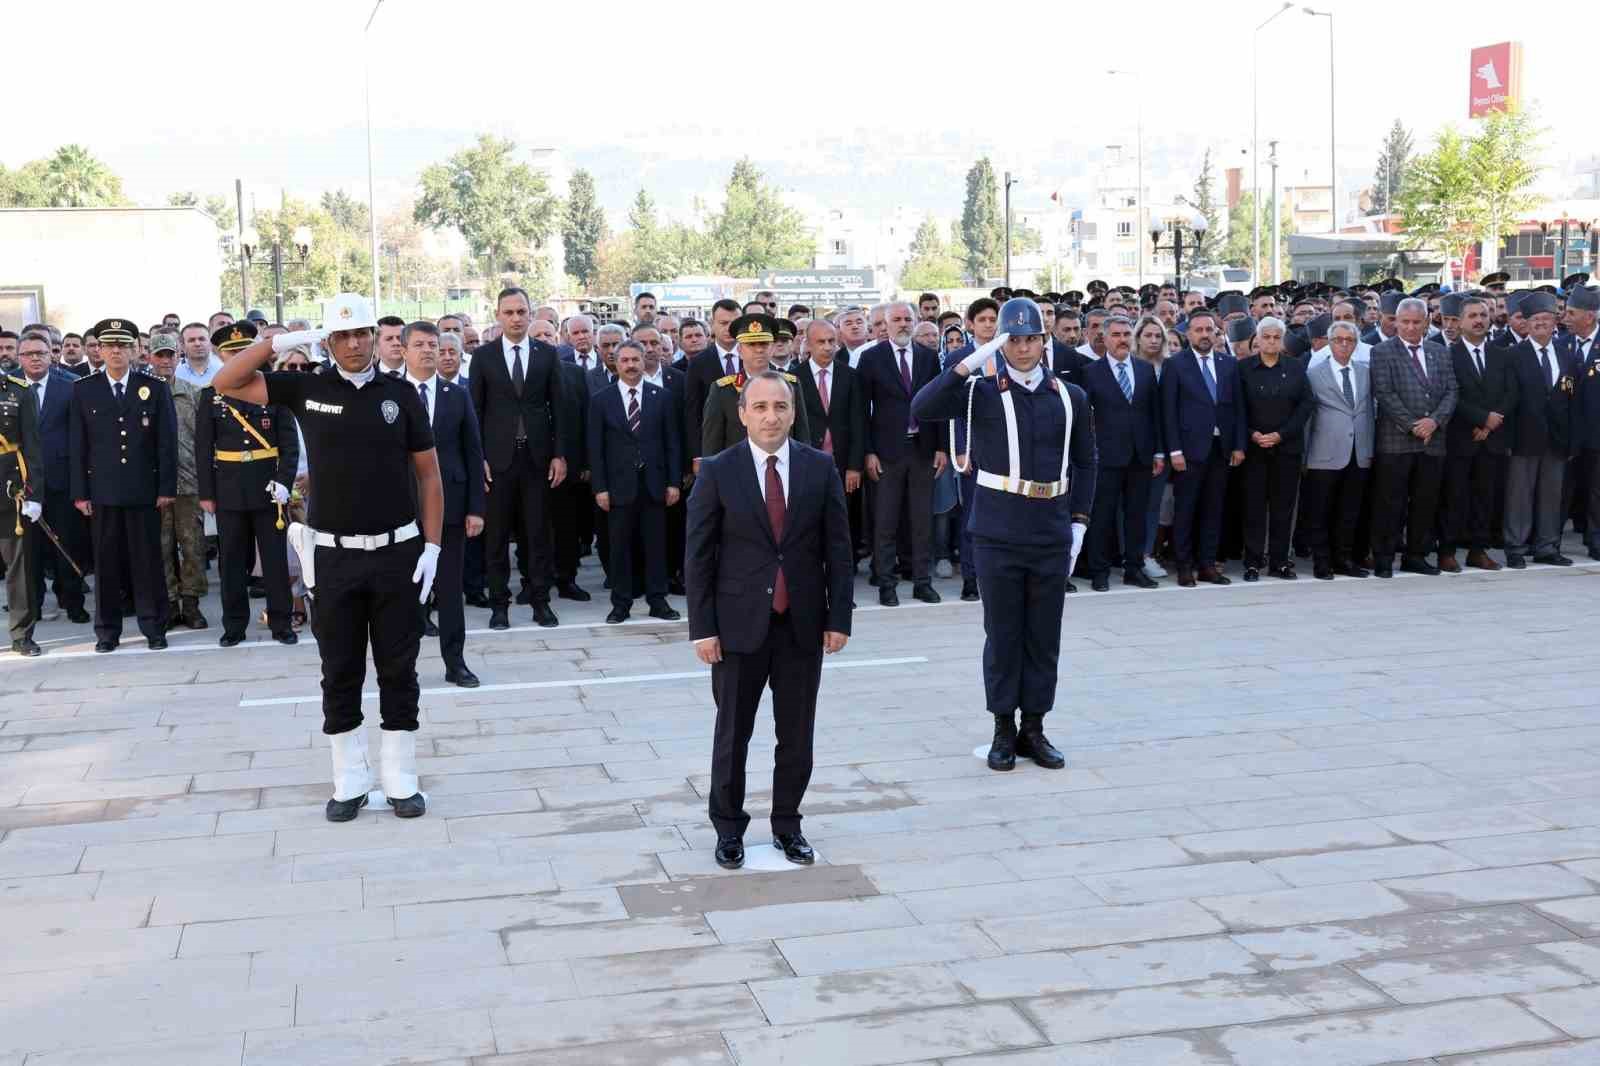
(1020, 317)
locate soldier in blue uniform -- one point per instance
(1032, 442)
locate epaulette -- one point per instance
(728, 379)
(790, 378)
(16, 380)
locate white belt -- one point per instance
(365, 542)
(1035, 490)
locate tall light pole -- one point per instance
(1277, 226)
(1138, 192)
(372, 203)
(1010, 181)
(1333, 165)
(1255, 133)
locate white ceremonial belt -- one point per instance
(366, 542)
(1034, 490)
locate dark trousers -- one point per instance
(794, 674)
(21, 563)
(1024, 591)
(240, 536)
(966, 487)
(1470, 485)
(1197, 495)
(1120, 492)
(565, 502)
(905, 490)
(472, 566)
(521, 491)
(858, 508)
(1271, 481)
(1330, 510)
(73, 532)
(677, 519)
(1406, 488)
(360, 597)
(127, 558)
(1534, 515)
(646, 519)
(1590, 465)
(447, 594)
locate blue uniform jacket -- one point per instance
(1005, 516)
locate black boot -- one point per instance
(1003, 752)
(1033, 743)
(191, 613)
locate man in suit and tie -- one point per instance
(835, 409)
(1541, 439)
(769, 574)
(1339, 449)
(718, 360)
(571, 503)
(1583, 346)
(1127, 427)
(1414, 383)
(516, 391)
(635, 465)
(1478, 437)
(1203, 430)
(456, 439)
(50, 390)
(674, 383)
(903, 456)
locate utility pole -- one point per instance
(244, 264)
(1008, 230)
(1277, 225)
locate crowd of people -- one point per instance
(1347, 426)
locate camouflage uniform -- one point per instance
(183, 542)
(20, 457)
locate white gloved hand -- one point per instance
(1080, 533)
(426, 567)
(31, 510)
(975, 361)
(278, 492)
(308, 337)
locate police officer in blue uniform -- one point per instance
(1032, 442)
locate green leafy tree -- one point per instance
(1204, 200)
(340, 260)
(583, 226)
(983, 228)
(348, 213)
(1437, 200)
(930, 266)
(1057, 276)
(1503, 160)
(24, 187)
(75, 178)
(1388, 179)
(504, 208)
(1025, 240)
(756, 230)
(218, 207)
(1239, 247)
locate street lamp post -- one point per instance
(1255, 133)
(1196, 222)
(1277, 224)
(1138, 192)
(1333, 166)
(372, 203)
(251, 245)
(1010, 181)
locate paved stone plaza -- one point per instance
(1302, 825)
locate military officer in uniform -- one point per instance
(124, 471)
(20, 452)
(720, 427)
(1032, 443)
(247, 455)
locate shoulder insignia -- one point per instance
(16, 380)
(730, 379)
(790, 378)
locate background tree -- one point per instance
(75, 178)
(340, 259)
(1503, 165)
(930, 266)
(1025, 240)
(24, 187)
(504, 208)
(1239, 247)
(218, 207)
(756, 230)
(1203, 199)
(1388, 178)
(1437, 201)
(983, 228)
(583, 226)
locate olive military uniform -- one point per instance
(20, 454)
(183, 544)
(721, 428)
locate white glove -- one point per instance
(284, 341)
(278, 493)
(31, 510)
(974, 362)
(1079, 533)
(426, 567)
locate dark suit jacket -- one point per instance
(55, 440)
(1543, 419)
(460, 448)
(1403, 397)
(1257, 406)
(497, 404)
(1478, 394)
(617, 455)
(732, 558)
(889, 402)
(677, 383)
(575, 399)
(846, 416)
(1188, 415)
(120, 470)
(1126, 434)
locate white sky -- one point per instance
(881, 75)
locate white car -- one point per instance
(1210, 280)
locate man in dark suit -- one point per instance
(51, 391)
(456, 439)
(718, 360)
(1477, 438)
(835, 409)
(572, 501)
(903, 456)
(636, 463)
(769, 575)
(1583, 348)
(516, 391)
(1127, 428)
(1203, 431)
(674, 382)
(124, 468)
(1414, 383)
(1541, 439)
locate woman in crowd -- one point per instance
(1277, 404)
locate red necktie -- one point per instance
(775, 512)
(822, 390)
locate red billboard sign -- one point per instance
(1496, 78)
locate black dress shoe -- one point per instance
(1553, 559)
(617, 616)
(730, 852)
(1186, 579)
(475, 599)
(1003, 749)
(1071, 588)
(1211, 575)
(663, 610)
(1384, 568)
(544, 616)
(1515, 562)
(78, 616)
(1416, 564)
(26, 647)
(887, 596)
(572, 591)
(410, 807)
(969, 591)
(1032, 742)
(498, 618)
(288, 636)
(926, 593)
(345, 810)
(1352, 570)
(1252, 574)
(104, 646)
(429, 628)
(524, 595)
(228, 640)
(1100, 583)
(675, 587)
(1140, 579)
(1322, 571)
(156, 643)
(1283, 572)
(794, 848)
(461, 677)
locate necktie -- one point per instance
(822, 390)
(1416, 361)
(1205, 372)
(393, 373)
(775, 513)
(516, 387)
(422, 394)
(1123, 380)
(1477, 360)
(38, 395)
(583, 361)
(633, 411)
(118, 391)
(1544, 362)
(729, 364)
(1349, 389)
(905, 379)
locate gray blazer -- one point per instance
(1403, 397)
(1336, 427)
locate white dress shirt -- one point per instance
(623, 388)
(1583, 347)
(433, 392)
(1133, 378)
(1550, 352)
(505, 347)
(115, 381)
(592, 357)
(759, 456)
(1086, 349)
(1338, 379)
(723, 355)
(38, 387)
(855, 354)
(658, 379)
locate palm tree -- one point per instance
(74, 178)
